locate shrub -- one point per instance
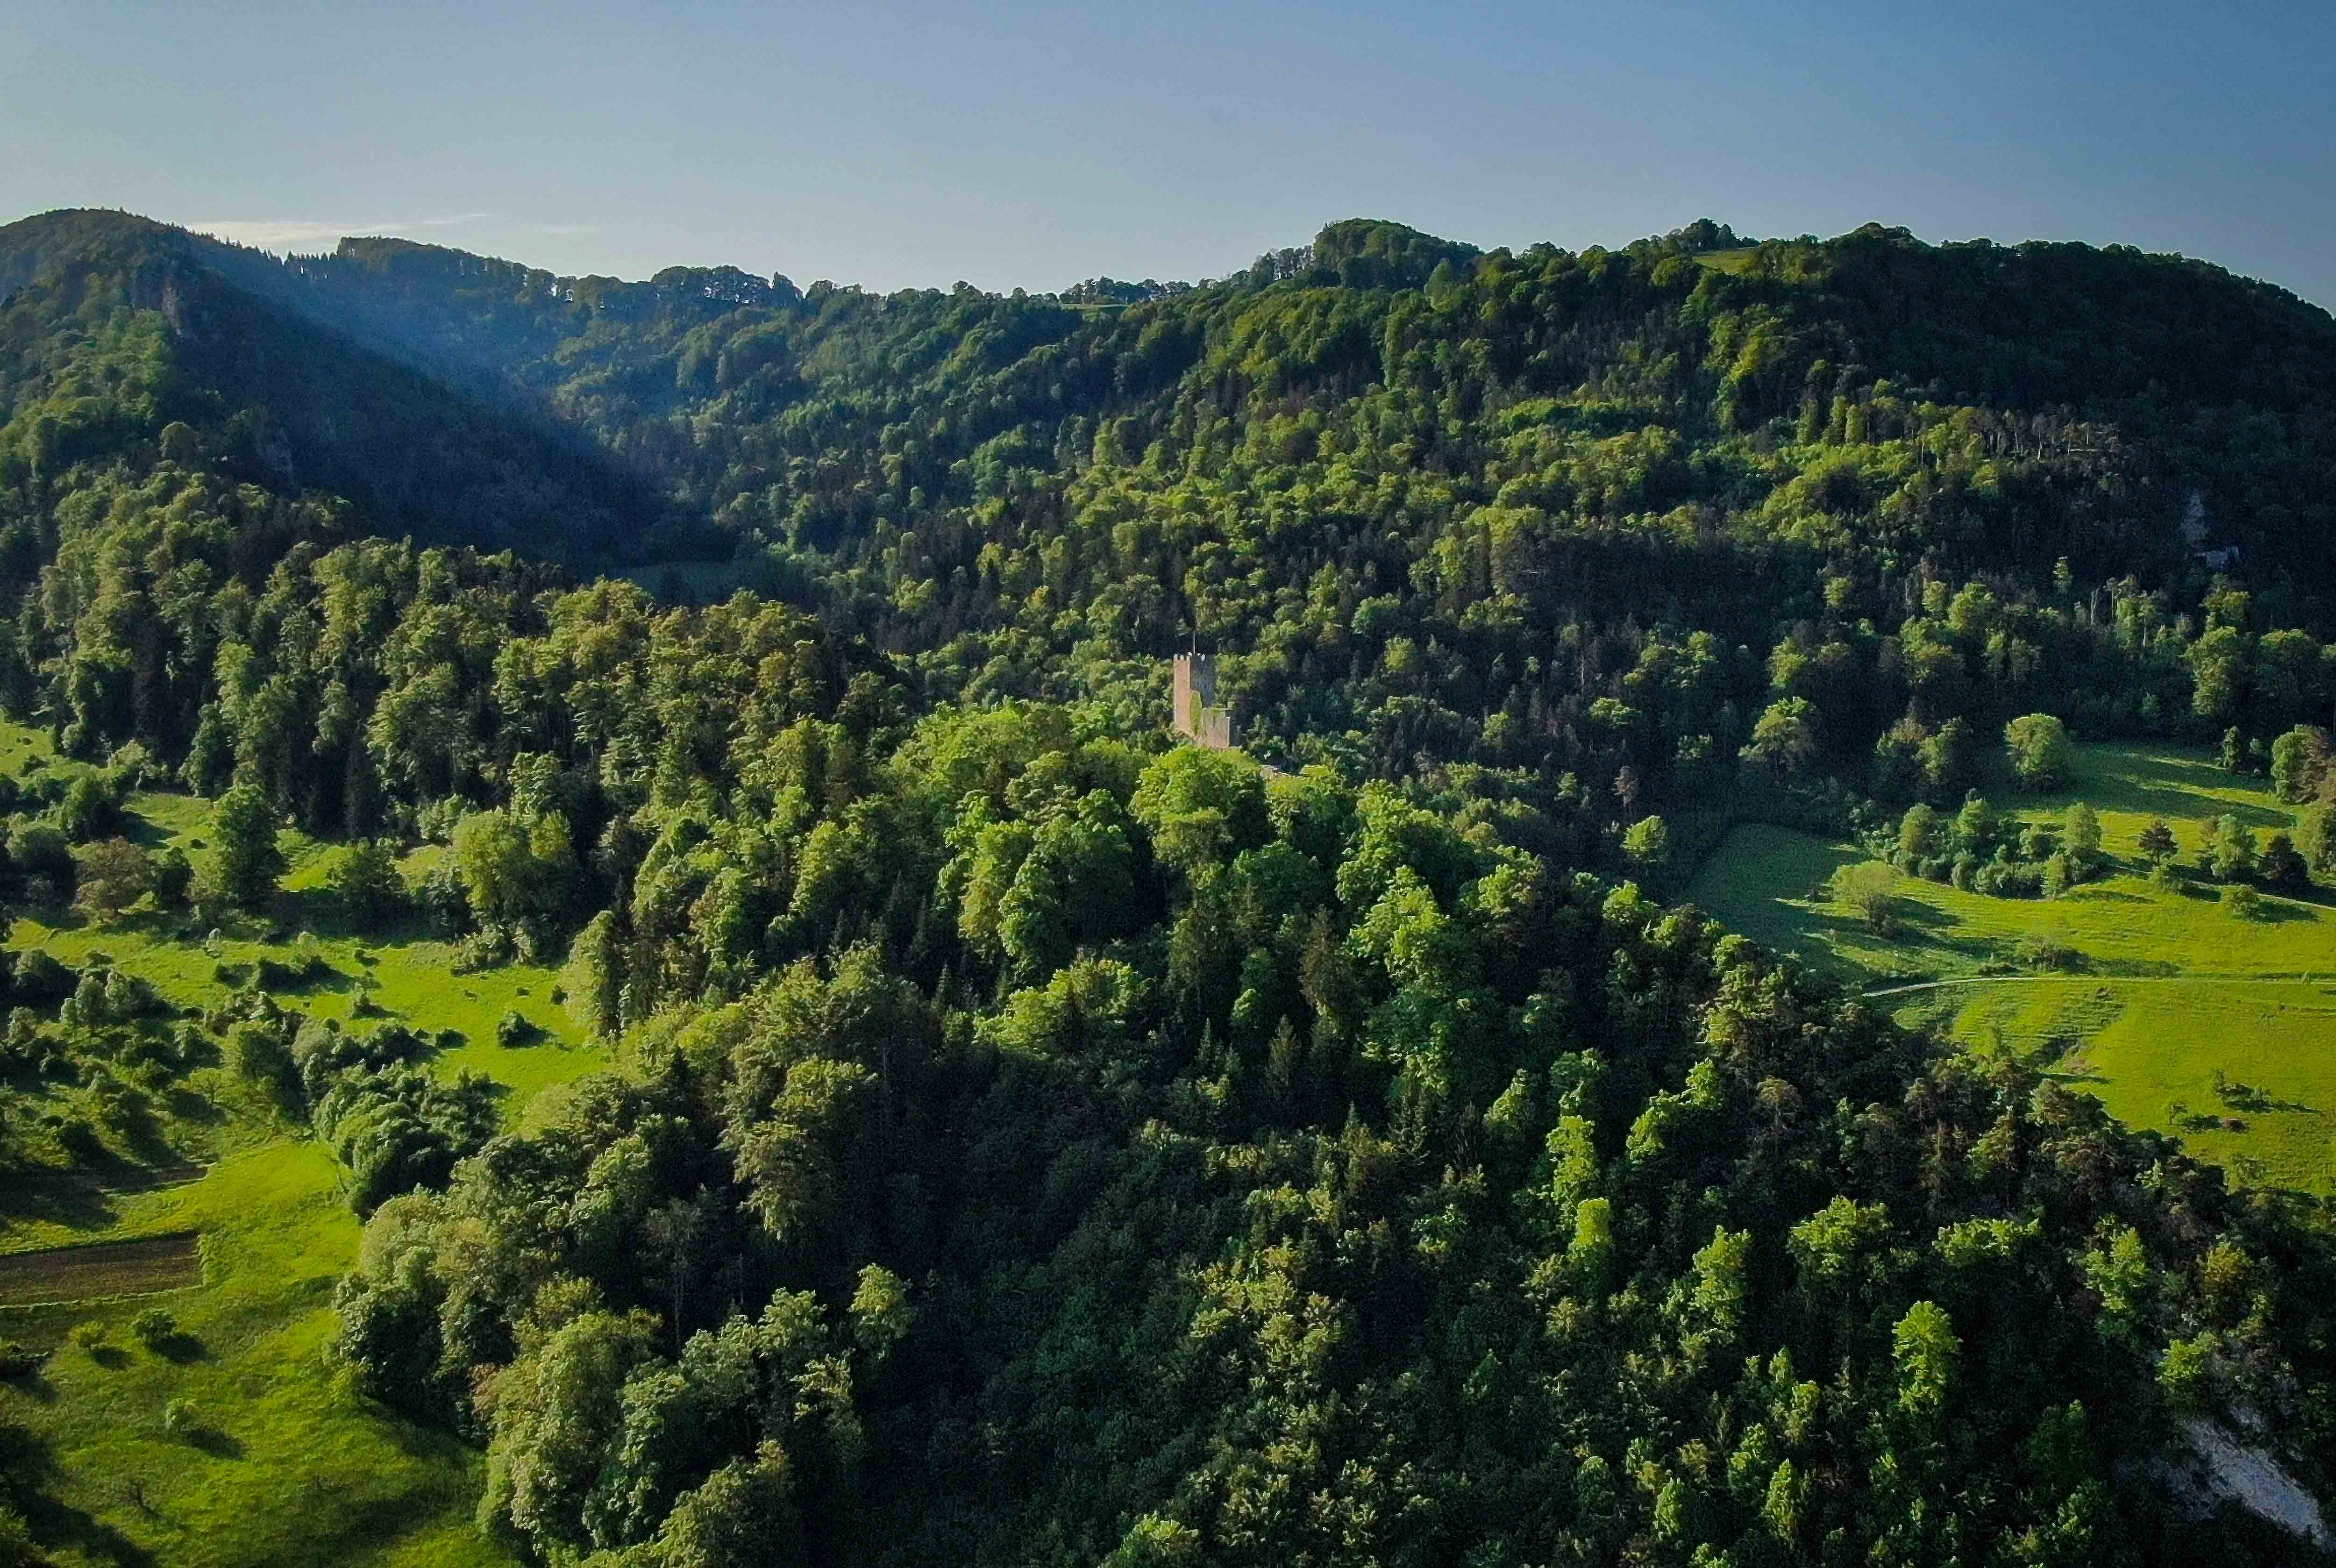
(2243, 902)
(512, 1029)
(16, 1359)
(89, 1334)
(182, 1419)
(2037, 952)
(2002, 880)
(154, 1326)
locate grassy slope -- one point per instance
(293, 1469)
(2176, 990)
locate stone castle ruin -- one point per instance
(1193, 711)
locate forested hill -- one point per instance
(1557, 532)
(1025, 1140)
(124, 342)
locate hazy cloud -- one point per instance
(279, 233)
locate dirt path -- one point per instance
(2102, 979)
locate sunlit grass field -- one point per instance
(284, 1464)
(2174, 988)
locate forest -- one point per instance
(1017, 1138)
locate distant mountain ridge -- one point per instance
(594, 419)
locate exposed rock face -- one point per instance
(2247, 1475)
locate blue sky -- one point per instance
(1035, 145)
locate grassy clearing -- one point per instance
(2173, 989)
(285, 1465)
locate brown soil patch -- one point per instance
(101, 1269)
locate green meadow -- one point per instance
(272, 1459)
(2180, 1015)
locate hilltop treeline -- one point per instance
(1554, 530)
(1026, 1141)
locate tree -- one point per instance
(1648, 843)
(2158, 844)
(366, 878)
(1785, 739)
(111, 875)
(1927, 1351)
(2299, 763)
(2060, 874)
(2242, 901)
(1949, 755)
(2230, 850)
(2315, 839)
(2217, 672)
(2040, 754)
(174, 877)
(1870, 888)
(1978, 827)
(248, 861)
(1918, 835)
(2080, 834)
(595, 975)
(513, 866)
(2281, 865)
(43, 857)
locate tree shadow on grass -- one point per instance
(1923, 917)
(2162, 785)
(69, 1198)
(181, 1347)
(185, 1105)
(57, 1525)
(324, 911)
(300, 976)
(216, 1443)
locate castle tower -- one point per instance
(1192, 708)
(1195, 688)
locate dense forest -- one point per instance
(1029, 1141)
